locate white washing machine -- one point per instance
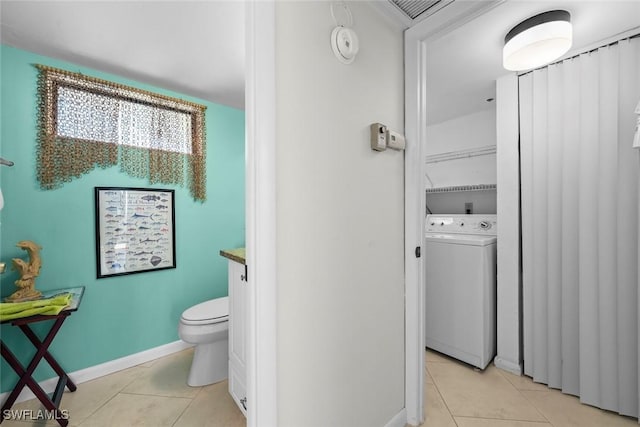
(460, 276)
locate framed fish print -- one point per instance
(135, 230)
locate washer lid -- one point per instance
(214, 310)
(461, 239)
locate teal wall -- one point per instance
(120, 315)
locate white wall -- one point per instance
(340, 255)
(454, 202)
(462, 133)
(509, 290)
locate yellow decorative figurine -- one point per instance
(26, 284)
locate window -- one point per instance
(86, 122)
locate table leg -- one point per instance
(48, 357)
(30, 382)
(26, 376)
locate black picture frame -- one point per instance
(135, 230)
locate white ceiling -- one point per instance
(197, 47)
(462, 65)
(191, 47)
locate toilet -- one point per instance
(207, 326)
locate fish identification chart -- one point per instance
(134, 230)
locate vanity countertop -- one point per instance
(237, 255)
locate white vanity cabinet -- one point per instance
(237, 333)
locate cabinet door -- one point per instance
(237, 389)
(237, 314)
(237, 334)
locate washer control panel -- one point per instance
(481, 224)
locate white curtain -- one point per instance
(580, 226)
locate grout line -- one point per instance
(504, 376)
(440, 394)
(504, 419)
(200, 388)
(533, 404)
(100, 407)
(156, 395)
(186, 408)
(183, 412)
(121, 390)
(446, 405)
(92, 413)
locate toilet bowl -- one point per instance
(207, 326)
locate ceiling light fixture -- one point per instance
(537, 41)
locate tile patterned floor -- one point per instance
(459, 396)
(156, 394)
(152, 394)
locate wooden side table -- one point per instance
(52, 403)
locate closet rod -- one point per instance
(456, 188)
(462, 154)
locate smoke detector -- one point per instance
(344, 40)
(344, 43)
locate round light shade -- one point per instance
(537, 41)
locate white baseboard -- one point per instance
(399, 420)
(97, 371)
(508, 365)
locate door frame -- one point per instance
(415, 105)
(415, 50)
(260, 202)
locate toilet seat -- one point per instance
(208, 312)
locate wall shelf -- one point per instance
(461, 154)
(475, 187)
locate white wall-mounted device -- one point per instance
(382, 137)
(344, 40)
(378, 136)
(344, 43)
(395, 140)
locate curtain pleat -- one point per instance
(628, 225)
(570, 90)
(580, 226)
(553, 221)
(525, 88)
(587, 218)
